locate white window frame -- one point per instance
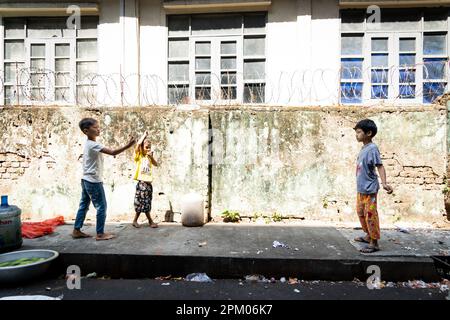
(81, 60)
(4, 61)
(447, 79)
(394, 43)
(215, 69)
(418, 67)
(393, 67)
(215, 63)
(50, 61)
(353, 56)
(50, 43)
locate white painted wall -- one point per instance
(118, 46)
(154, 52)
(325, 50)
(282, 50)
(303, 52)
(130, 62)
(109, 52)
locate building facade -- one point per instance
(225, 52)
(280, 85)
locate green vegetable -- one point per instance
(20, 262)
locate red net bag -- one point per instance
(32, 230)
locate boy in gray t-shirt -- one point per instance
(91, 182)
(367, 184)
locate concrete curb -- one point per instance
(151, 266)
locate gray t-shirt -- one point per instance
(366, 177)
(92, 161)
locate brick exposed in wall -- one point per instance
(418, 175)
(12, 165)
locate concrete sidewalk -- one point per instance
(235, 250)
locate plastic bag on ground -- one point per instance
(198, 277)
(33, 230)
(278, 244)
(256, 278)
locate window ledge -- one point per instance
(392, 3)
(208, 6)
(46, 9)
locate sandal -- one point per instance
(361, 239)
(369, 249)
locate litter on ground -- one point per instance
(198, 277)
(278, 244)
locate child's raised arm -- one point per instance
(114, 152)
(140, 143)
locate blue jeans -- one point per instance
(92, 192)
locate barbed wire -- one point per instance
(28, 86)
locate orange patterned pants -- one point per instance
(366, 207)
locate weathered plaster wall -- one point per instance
(296, 161)
(40, 149)
(302, 162)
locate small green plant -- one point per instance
(446, 190)
(255, 217)
(231, 216)
(276, 217)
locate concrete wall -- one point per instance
(41, 172)
(302, 162)
(297, 161)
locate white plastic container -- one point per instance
(192, 210)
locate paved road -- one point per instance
(224, 289)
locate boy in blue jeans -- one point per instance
(91, 182)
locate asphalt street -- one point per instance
(220, 289)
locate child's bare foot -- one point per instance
(152, 224)
(78, 234)
(104, 236)
(136, 225)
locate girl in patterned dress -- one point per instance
(143, 157)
